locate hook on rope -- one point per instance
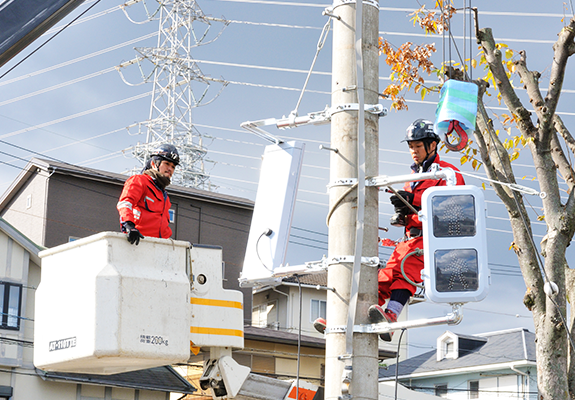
(455, 138)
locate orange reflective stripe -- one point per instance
(217, 303)
(216, 331)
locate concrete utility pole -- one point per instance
(349, 162)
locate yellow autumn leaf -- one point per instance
(483, 186)
(474, 63)
(510, 65)
(463, 160)
(508, 53)
(541, 218)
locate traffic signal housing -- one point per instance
(455, 244)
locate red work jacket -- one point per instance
(417, 188)
(146, 205)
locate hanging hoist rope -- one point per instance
(457, 108)
(320, 43)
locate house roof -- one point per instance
(289, 338)
(164, 379)
(309, 279)
(493, 348)
(32, 248)
(111, 177)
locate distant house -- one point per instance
(19, 278)
(278, 308)
(53, 203)
(497, 364)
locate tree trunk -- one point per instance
(550, 326)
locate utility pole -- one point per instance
(355, 158)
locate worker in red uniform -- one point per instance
(422, 141)
(144, 204)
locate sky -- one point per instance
(69, 102)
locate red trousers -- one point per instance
(390, 278)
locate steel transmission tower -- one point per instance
(178, 87)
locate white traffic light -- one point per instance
(455, 244)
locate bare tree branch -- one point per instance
(564, 132)
(498, 167)
(568, 173)
(562, 53)
(493, 58)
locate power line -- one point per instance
(48, 40)
(394, 9)
(75, 60)
(73, 116)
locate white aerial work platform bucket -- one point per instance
(105, 306)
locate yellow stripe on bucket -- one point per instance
(217, 303)
(216, 331)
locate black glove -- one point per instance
(134, 235)
(396, 201)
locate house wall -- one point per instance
(29, 215)
(494, 384)
(275, 305)
(14, 265)
(28, 385)
(278, 359)
(308, 294)
(78, 208)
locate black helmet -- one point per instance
(166, 152)
(421, 129)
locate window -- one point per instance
(473, 389)
(10, 302)
(317, 309)
(172, 215)
(441, 390)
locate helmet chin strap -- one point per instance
(427, 154)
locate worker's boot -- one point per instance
(377, 314)
(319, 325)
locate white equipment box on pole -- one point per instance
(273, 212)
